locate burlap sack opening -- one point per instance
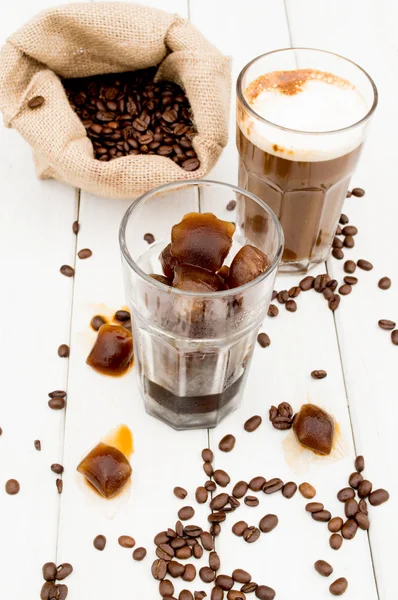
(78, 40)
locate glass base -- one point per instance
(304, 265)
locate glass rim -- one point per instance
(196, 182)
(242, 99)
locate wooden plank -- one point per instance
(367, 35)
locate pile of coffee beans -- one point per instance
(52, 574)
(129, 114)
(281, 417)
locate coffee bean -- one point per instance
(36, 102)
(97, 321)
(268, 523)
(122, 316)
(283, 296)
(207, 575)
(201, 495)
(217, 517)
(252, 423)
(180, 492)
(235, 595)
(189, 573)
(273, 485)
(323, 516)
(291, 306)
(394, 337)
(67, 271)
(219, 501)
(159, 569)
(12, 487)
(384, 283)
(214, 561)
(63, 571)
(251, 534)
(215, 529)
(351, 508)
(179, 528)
(60, 485)
(307, 490)
(149, 238)
(295, 291)
(75, 227)
(198, 595)
(263, 340)
(57, 468)
(349, 529)
(345, 289)
(350, 281)
(345, 494)
(216, 593)
(99, 542)
(252, 501)
(363, 520)
(197, 551)
(248, 588)
(358, 192)
(48, 591)
(335, 541)
(165, 552)
(350, 230)
(221, 477)
(349, 266)
(207, 540)
(307, 283)
(355, 479)
(327, 293)
(263, 592)
(343, 219)
(126, 541)
(240, 489)
(338, 253)
(256, 484)
(378, 497)
(166, 588)
(161, 538)
(332, 284)
(349, 241)
(208, 469)
(338, 587)
(175, 568)
(85, 253)
(289, 489)
(323, 568)
(227, 443)
(37, 444)
(231, 205)
(210, 486)
(363, 507)
(321, 282)
(191, 164)
(239, 528)
(56, 403)
(186, 513)
(314, 507)
(335, 524)
(273, 310)
(318, 374)
(364, 488)
(207, 455)
(365, 265)
(334, 302)
(225, 582)
(177, 542)
(49, 571)
(63, 351)
(241, 576)
(337, 243)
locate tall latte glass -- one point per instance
(302, 119)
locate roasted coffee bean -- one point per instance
(67, 271)
(207, 455)
(159, 569)
(207, 540)
(253, 423)
(37, 444)
(214, 561)
(221, 477)
(307, 283)
(217, 517)
(227, 443)
(189, 573)
(350, 230)
(12, 487)
(378, 497)
(252, 501)
(273, 310)
(175, 568)
(334, 302)
(273, 485)
(314, 507)
(338, 587)
(332, 284)
(323, 568)
(307, 490)
(185, 513)
(225, 582)
(207, 575)
(274, 294)
(231, 205)
(394, 337)
(96, 322)
(60, 485)
(363, 520)
(256, 484)
(363, 507)
(291, 306)
(126, 541)
(349, 529)
(323, 516)
(335, 524)
(248, 588)
(219, 501)
(239, 528)
(319, 374)
(289, 489)
(327, 293)
(35, 102)
(208, 469)
(263, 592)
(349, 241)
(365, 265)
(75, 227)
(321, 282)
(198, 595)
(180, 492)
(343, 219)
(337, 243)
(358, 192)
(192, 531)
(384, 283)
(48, 591)
(177, 542)
(350, 280)
(165, 552)
(201, 495)
(268, 523)
(285, 410)
(56, 403)
(49, 571)
(63, 571)
(57, 468)
(338, 253)
(240, 489)
(263, 340)
(282, 423)
(351, 508)
(335, 541)
(171, 533)
(345, 494)
(149, 238)
(251, 534)
(355, 479)
(57, 394)
(85, 253)
(234, 502)
(197, 550)
(349, 266)
(235, 595)
(63, 351)
(166, 588)
(345, 289)
(241, 576)
(364, 488)
(99, 542)
(283, 296)
(179, 528)
(210, 486)
(217, 593)
(161, 538)
(295, 291)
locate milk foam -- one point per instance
(304, 101)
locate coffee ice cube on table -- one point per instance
(113, 351)
(107, 469)
(314, 429)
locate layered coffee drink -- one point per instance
(300, 132)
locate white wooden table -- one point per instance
(41, 309)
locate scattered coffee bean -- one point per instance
(263, 592)
(251, 534)
(49, 590)
(256, 484)
(273, 485)
(349, 266)
(365, 265)
(339, 231)
(57, 468)
(99, 542)
(235, 595)
(273, 310)
(186, 513)
(227, 443)
(349, 241)
(289, 489)
(208, 469)
(263, 340)
(231, 205)
(295, 291)
(345, 289)
(201, 495)
(363, 507)
(334, 302)
(239, 528)
(314, 507)
(192, 531)
(350, 230)
(343, 219)
(1, 431)
(75, 227)
(159, 569)
(189, 573)
(350, 280)
(60, 485)
(219, 501)
(166, 588)
(63, 571)
(355, 479)
(12, 487)
(175, 568)
(49, 571)
(378, 497)
(351, 508)
(139, 554)
(363, 520)
(56, 403)
(283, 296)
(217, 593)
(248, 588)
(337, 243)
(335, 541)
(338, 253)
(37, 444)
(323, 516)
(349, 529)
(281, 417)
(149, 238)
(126, 541)
(85, 253)
(225, 582)
(199, 595)
(63, 351)
(252, 501)
(210, 486)
(207, 575)
(180, 493)
(318, 374)
(332, 285)
(384, 283)
(207, 540)
(358, 192)
(35, 102)
(253, 423)
(346, 493)
(217, 517)
(323, 568)
(214, 561)
(221, 477)
(97, 321)
(307, 283)
(57, 394)
(364, 488)
(268, 523)
(291, 306)
(241, 576)
(307, 490)
(240, 489)
(335, 524)
(321, 281)
(338, 587)
(394, 337)
(207, 455)
(67, 270)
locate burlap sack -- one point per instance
(78, 40)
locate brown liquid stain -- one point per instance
(121, 438)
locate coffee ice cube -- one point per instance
(201, 239)
(168, 262)
(189, 278)
(224, 273)
(107, 469)
(314, 429)
(113, 350)
(248, 264)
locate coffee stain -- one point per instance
(121, 438)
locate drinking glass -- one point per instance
(193, 351)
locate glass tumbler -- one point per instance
(302, 174)
(193, 351)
